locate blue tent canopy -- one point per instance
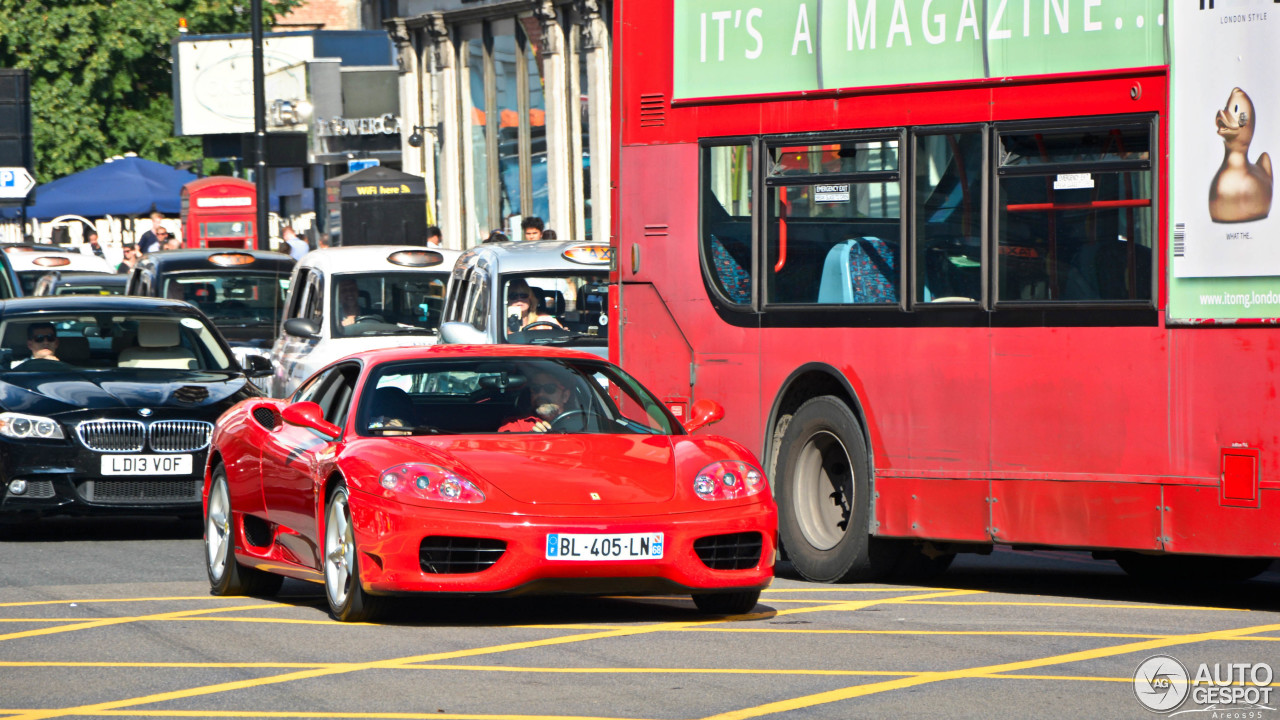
(124, 186)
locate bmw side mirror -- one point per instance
(258, 366)
(302, 327)
(703, 413)
(308, 415)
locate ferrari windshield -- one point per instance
(398, 303)
(508, 395)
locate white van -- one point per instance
(347, 300)
(570, 280)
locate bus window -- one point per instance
(1075, 214)
(726, 221)
(948, 217)
(834, 225)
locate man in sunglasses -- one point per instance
(42, 341)
(550, 397)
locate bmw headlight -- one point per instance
(421, 481)
(728, 480)
(27, 427)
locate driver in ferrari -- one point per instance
(550, 397)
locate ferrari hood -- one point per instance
(571, 469)
(52, 393)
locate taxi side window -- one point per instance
(313, 305)
(478, 301)
(300, 286)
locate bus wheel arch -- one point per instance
(820, 459)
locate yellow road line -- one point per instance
(983, 671)
(1110, 606)
(104, 707)
(104, 622)
(181, 598)
(336, 715)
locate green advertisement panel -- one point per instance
(750, 47)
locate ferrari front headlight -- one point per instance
(29, 427)
(422, 481)
(728, 480)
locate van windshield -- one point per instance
(557, 309)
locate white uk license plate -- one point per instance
(624, 546)
(146, 464)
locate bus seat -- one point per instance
(860, 270)
(735, 281)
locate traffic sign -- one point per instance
(15, 182)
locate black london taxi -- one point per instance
(242, 291)
(107, 404)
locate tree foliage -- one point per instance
(102, 73)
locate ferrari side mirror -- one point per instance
(703, 413)
(309, 415)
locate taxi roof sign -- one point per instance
(415, 258)
(231, 259)
(589, 254)
(51, 261)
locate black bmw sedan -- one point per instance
(107, 404)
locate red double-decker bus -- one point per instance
(965, 274)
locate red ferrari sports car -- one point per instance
(483, 469)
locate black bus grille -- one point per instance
(441, 555)
(737, 551)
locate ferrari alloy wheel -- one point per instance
(824, 497)
(226, 576)
(727, 603)
(347, 598)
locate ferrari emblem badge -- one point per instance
(595, 496)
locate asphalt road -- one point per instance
(111, 619)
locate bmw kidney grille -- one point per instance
(132, 435)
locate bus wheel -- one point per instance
(824, 497)
(1168, 570)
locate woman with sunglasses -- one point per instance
(522, 308)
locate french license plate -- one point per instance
(146, 464)
(625, 546)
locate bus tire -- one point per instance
(824, 497)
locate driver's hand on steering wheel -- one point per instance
(540, 426)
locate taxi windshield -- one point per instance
(557, 309)
(232, 299)
(396, 303)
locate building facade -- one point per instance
(505, 110)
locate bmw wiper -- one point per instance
(562, 339)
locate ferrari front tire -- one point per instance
(727, 603)
(347, 598)
(824, 497)
(226, 575)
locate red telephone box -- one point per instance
(219, 212)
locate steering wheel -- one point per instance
(557, 425)
(369, 318)
(550, 325)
